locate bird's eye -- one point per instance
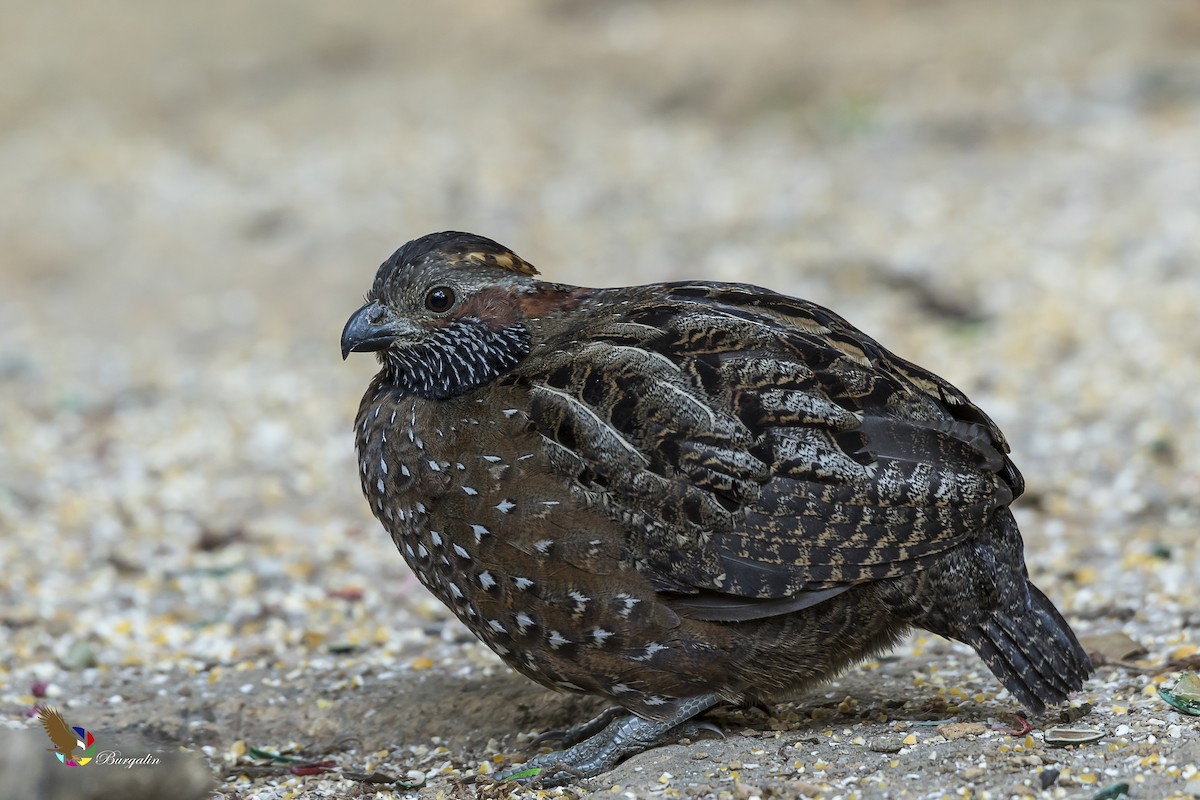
(439, 299)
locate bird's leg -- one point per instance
(622, 737)
(577, 733)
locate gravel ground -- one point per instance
(193, 198)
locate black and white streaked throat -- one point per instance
(455, 358)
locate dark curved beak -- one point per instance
(373, 327)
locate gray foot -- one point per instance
(619, 739)
(578, 733)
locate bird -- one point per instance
(64, 739)
(682, 495)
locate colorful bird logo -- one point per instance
(67, 739)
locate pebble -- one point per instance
(746, 791)
(962, 730)
(802, 789)
(886, 744)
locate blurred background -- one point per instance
(194, 197)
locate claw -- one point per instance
(689, 730)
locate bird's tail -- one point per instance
(1031, 649)
(984, 598)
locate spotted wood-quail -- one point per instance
(682, 494)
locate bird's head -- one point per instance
(447, 313)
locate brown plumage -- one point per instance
(681, 494)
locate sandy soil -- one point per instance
(193, 197)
